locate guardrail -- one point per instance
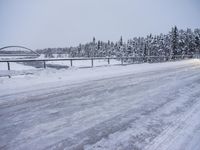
(122, 59)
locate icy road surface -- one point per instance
(153, 110)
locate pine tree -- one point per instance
(99, 45)
(79, 50)
(121, 41)
(145, 53)
(197, 45)
(174, 41)
(177, 42)
(191, 41)
(94, 40)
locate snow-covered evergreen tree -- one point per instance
(174, 41)
(177, 42)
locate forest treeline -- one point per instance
(176, 42)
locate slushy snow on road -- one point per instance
(132, 107)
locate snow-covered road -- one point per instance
(157, 109)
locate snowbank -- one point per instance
(15, 66)
(52, 77)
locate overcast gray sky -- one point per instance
(61, 23)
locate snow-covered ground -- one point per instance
(42, 77)
(14, 66)
(85, 63)
(20, 69)
(143, 106)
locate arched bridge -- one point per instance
(17, 51)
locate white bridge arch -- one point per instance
(17, 51)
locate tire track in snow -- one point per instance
(81, 125)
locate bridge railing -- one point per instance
(123, 60)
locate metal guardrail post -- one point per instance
(8, 63)
(44, 62)
(71, 63)
(92, 62)
(108, 61)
